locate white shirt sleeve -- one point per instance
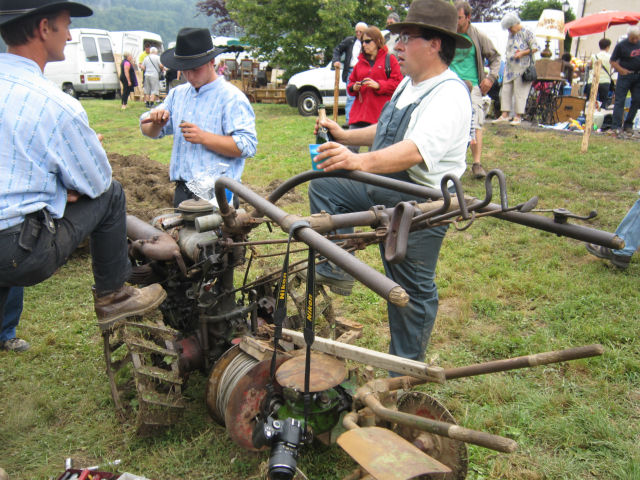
(440, 129)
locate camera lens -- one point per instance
(281, 473)
(282, 463)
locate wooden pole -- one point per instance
(336, 94)
(588, 124)
(384, 361)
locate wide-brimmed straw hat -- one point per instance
(12, 10)
(433, 15)
(193, 49)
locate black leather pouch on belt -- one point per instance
(32, 227)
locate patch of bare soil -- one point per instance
(145, 182)
(292, 196)
(148, 190)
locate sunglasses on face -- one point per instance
(367, 41)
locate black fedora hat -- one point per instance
(12, 10)
(436, 15)
(193, 49)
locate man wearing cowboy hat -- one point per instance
(212, 122)
(55, 179)
(421, 136)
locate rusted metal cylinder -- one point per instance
(379, 283)
(151, 242)
(526, 361)
(505, 365)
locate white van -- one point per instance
(305, 90)
(88, 67)
(134, 41)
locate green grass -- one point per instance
(505, 290)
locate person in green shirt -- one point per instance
(468, 64)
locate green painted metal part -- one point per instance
(323, 414)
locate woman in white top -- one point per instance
(520, 49)
(606, 75)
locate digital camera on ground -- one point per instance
(283, 436)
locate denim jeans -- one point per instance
(12, 312)
(350, 99)
(629, 231)
(103, 219)
(410, 326)
(625, 84)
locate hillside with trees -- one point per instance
(164, 17)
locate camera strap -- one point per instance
(309, 334)
(281, 308)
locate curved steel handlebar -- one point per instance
(578, 232)
(376, 281)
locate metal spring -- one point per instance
(238, 368)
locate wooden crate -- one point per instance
(569, 107)
(269, 95)
(549, 69)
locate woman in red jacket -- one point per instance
(373, 80)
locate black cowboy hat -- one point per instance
(435, 15)
(11, 10)
(194, 48)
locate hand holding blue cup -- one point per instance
(313, 151)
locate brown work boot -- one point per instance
(125, 302)
(477, 171)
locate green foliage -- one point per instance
(532, 9)
(489, 10)
(298, 34)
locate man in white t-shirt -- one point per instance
(152, 69)
(421, 136)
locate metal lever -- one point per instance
(397, 237)
(560, 215)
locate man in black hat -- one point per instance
(55, 179)
(421, 136)
(211, 120)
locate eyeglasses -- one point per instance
(405, 37)
(367, 41)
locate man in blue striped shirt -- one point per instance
(211, 120)
(55, 179)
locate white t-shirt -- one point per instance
(439, 126)
(355, 52)
(151, 64)
(604, 76)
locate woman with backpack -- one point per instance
(373, 80)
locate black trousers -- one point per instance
(30, 252)
(126, 91)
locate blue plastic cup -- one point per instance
(313, 151)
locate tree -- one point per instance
(532, 10)
(489, 10)
(223, 25)
(297, 34)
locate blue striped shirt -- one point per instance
(46, 145)
(218, 107)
